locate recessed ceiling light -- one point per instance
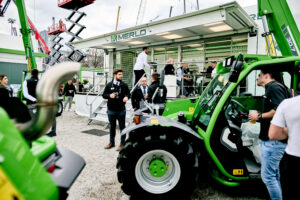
(194, 45)
(164, 33)
(159, 49)
(172, 36)
(136, 42)
(212, 24)
(220, 28)
(107, 47)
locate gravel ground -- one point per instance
(98, 180)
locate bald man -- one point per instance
(169, 68)
(140, 94)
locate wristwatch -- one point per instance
(259, 116)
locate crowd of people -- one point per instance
(186, 78)
(279, 138)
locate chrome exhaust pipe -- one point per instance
(46, 92)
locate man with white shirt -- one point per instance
(214, 69)
(139, 95)
(140, 64)
(285, 125)
(29, 87)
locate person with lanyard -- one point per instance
(117, 93)
(140, 64)
(139, 95)
(271, 150)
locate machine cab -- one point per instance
(221, 116)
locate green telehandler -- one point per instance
(163, 153)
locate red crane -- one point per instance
(38, 37)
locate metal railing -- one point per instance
(196, 86)
(99, 91)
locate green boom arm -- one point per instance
(282, 25)
(26, 35)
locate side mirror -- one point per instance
(228, 61)
(236, 69)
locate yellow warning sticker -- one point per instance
(191, 110)
(238, 172)
(7, 189)
(154, 121)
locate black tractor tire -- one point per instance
(139, 146)
(60, 108)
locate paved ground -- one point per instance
(99, 181)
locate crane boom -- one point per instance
(25, 31)
(282, 25)
(38, 36)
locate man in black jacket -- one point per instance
(139, 95)
(117, 93)
(169, 68)
(69, 92)
(29, 87)
(159, 98)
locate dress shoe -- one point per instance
(119, 147)
(109, 146)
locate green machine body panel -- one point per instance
(43, 147)
(22, 168)
(187, 106)
(282, 25)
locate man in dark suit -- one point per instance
(139, 95)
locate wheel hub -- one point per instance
(157, 171)
(157, 168)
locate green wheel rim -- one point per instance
(157, 168)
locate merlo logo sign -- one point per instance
(128, 35)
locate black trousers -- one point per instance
(113, 116)
(138, 74)
(290, 176)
